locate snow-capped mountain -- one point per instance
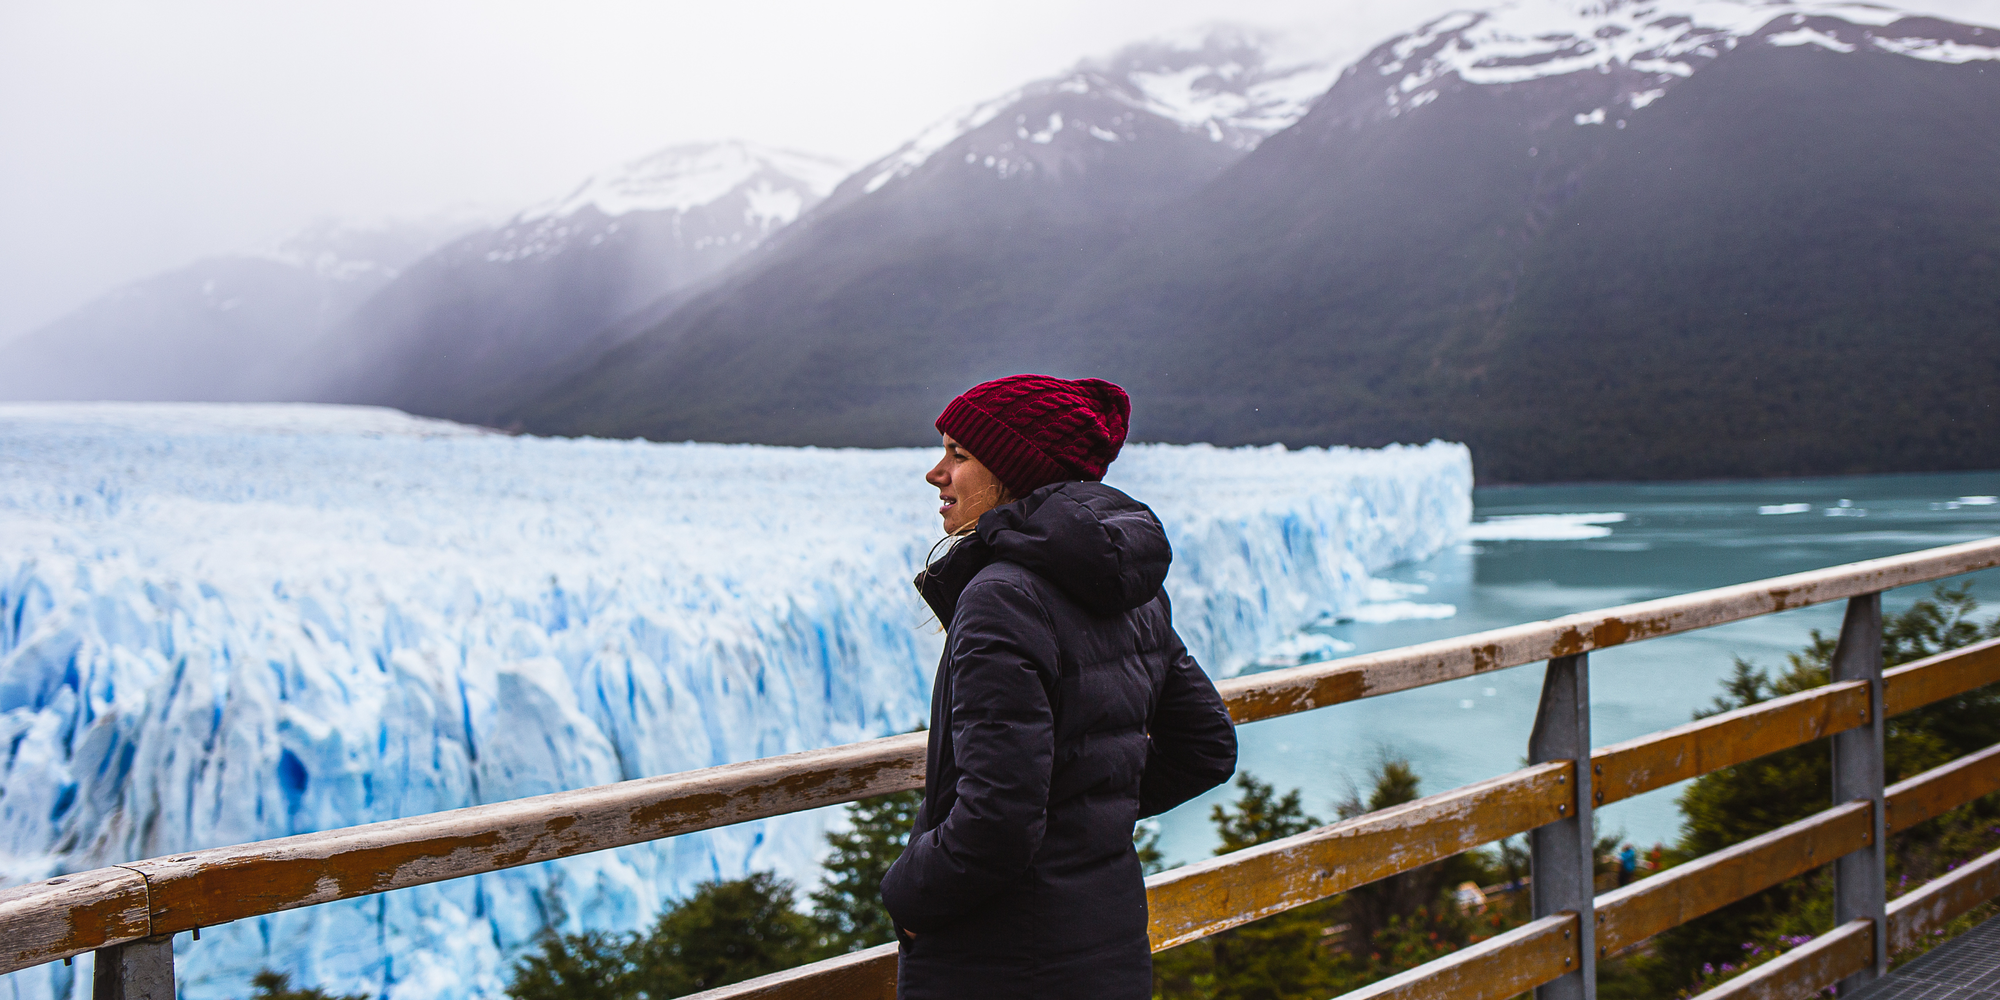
(742, 191)
(1646, 239)
(1021, 194)
(1605, 240)
(1640, 49)
(1231, 84)
(467, 327)
(367, 255)
(225, 328)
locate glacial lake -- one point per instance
(1648, 541)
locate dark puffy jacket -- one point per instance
(1064, 709)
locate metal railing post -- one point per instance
(1563, 854)
(1860, 879)
(136, 970)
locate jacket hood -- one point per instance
(1102, 548)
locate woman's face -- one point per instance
(966, 486)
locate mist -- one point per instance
(143, 137)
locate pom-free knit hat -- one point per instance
(1033, 430)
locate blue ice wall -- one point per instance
(229, 623)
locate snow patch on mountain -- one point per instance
(917, 151)
(1235, 84)
(758, 190)
(1231, 84)
(679, 178)
(1941, 50)
(1648, 45)
(1807, 36)
(353, 250)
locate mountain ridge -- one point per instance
(225, 328)
(1022, 191)
(501, 312)
(1381, 270)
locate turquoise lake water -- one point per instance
(1672, 538)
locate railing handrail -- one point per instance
(1511, 803)
(68, 915)
(1317, 685)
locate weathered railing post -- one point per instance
(1563, 854)
(137, 970)
(1860, 879)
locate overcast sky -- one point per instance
(139, 136)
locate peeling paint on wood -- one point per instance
(69, 915)
(1220, 893)
(863, 975)
(1201, 899)
(1935, 678)
(1926, 909)
(1804, 971)
(1316, 685)
(204, 888)
(1501, 966)
(1657, 760)
(1942, 789)
(1630, 915)
(61, 917)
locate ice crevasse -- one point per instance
(227, 623)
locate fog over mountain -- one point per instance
(170, 133)
(1593, 241)
(446, 317)
(498, 314)
(1607, 240)
(920, 269)
(228, 328)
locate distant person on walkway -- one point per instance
(1471, 899)
(1064, 709)
(1628, 862)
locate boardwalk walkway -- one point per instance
(1965, 968)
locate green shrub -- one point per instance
(848, 903)
(271, 984)
(1733, 804)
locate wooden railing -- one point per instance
(129, 913)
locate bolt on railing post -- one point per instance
(136, 970)
(1860, 879)
(1562, 855)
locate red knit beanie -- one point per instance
(1033, 430)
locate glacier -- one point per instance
(226, 623)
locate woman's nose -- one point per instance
(936, 477)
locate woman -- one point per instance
(1065, 708)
